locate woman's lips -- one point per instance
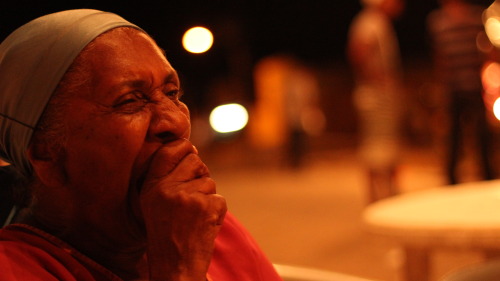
(167, 137)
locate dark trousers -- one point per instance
(467, 109)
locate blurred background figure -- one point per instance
(268, 128)
(303, 113)
(454, 29)
(373, 52)
(286, 110)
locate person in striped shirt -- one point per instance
(454, 29)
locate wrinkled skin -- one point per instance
(129, 190)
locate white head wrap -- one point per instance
(33, 59)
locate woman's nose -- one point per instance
(170, 121)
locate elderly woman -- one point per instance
(90, 117)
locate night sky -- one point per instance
(313, 30)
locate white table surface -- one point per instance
(465, 215)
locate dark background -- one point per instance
(245, 31)
(314, 29)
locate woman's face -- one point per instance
(131, 109)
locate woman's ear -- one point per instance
(47, 163)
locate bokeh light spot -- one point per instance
(492, 27)
(228, 118)
(197, 40)
(496, 108)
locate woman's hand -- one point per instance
(182, 213)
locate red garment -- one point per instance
(29, 254)
(237, 257)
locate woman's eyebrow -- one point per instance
(140, 83)
(136, 83)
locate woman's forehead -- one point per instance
(121, 40)
(121, 57)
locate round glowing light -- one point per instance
(492, 27)
(197, 40)
(490, 77)
(496, 108)
(228, 118)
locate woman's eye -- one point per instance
(174, 94)
(127, 101)
(131, 99)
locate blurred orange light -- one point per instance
(492, 27)
(491, 77)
